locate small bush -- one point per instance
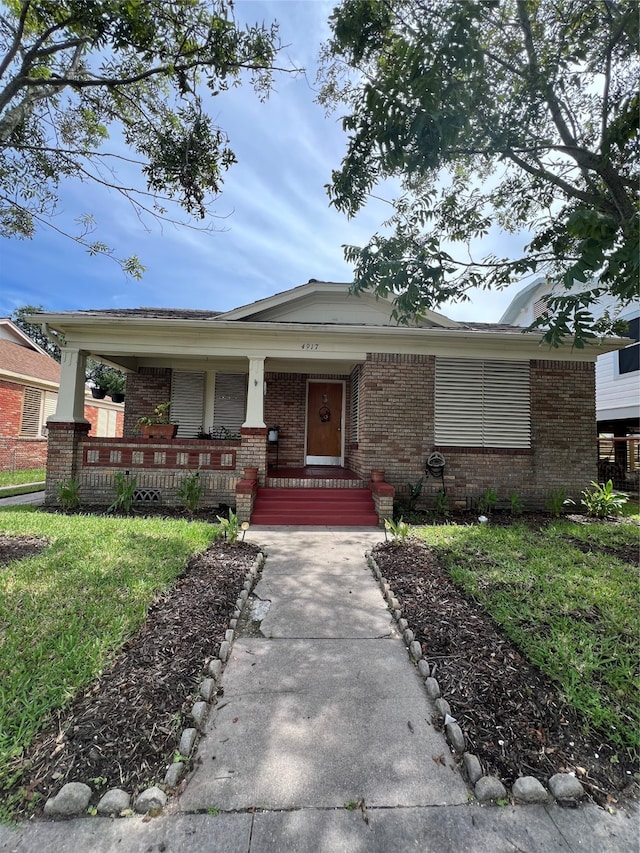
(190, 492)
(602, 501)
(557, 501)
(125, 489)
(230, 527)
(516, 504)
(69, 494)
(487, 501)
(399, 530)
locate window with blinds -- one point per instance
(482, 403)
(37, 406)
(230, 403)
(355, 399)
(187, 402)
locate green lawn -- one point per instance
(66, 611)
(570, 605)
(12, 481)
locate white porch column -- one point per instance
(70, 408)
(255, 394)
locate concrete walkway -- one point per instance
(322, 740)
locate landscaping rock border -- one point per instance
(563, 787)
(73, 798)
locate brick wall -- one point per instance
(17, 453)
(396, 433)
(563, 425)
(286, 406)
(145, 390)
(395, 417)
(64, 460)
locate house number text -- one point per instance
(310, 346)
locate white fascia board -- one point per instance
(201, 338)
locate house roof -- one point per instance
(25, 363)
(150, 313)
(318, 326)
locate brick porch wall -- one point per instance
(395, 424)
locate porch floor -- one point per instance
(313, 472)
(313, 477)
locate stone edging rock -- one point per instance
(73, 798)
(563, 787)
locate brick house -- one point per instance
(345, 392)
(29, 380)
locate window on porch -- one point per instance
(188, 402)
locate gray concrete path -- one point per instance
(322, 708)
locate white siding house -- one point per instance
(617, 378)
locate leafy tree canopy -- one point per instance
(72, 70)
(34, 331)
(521, 113)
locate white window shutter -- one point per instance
(31, 423)
(355, 402)
(187, 402)
(482, 403)
(230, 402)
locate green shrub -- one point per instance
(69, 494)
(125, 489)
(557, 500)
(487, 501)
(602, 501)
(399, 530)
(516, 504)
(190, 492)
(230, 527)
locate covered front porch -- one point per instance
(249, 436)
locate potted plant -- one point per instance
(116, 382)
(105, 380)
(158, 425)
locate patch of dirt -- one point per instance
(19, 548)
(123, 730)
(514, 718)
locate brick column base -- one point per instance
(64, 455)
(383, 495)
(245, 496)
(253, 452)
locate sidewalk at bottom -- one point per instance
(442, 829)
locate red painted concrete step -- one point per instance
(319, 507)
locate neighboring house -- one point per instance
(29, 380)
(617, 379)
(348, 390)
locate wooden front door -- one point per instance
(324, 423)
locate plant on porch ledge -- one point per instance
(158, 425)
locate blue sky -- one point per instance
(276, 227)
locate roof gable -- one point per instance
(325, 302)
(10, 332)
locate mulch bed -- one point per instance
(514, 718)
(123, 730)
